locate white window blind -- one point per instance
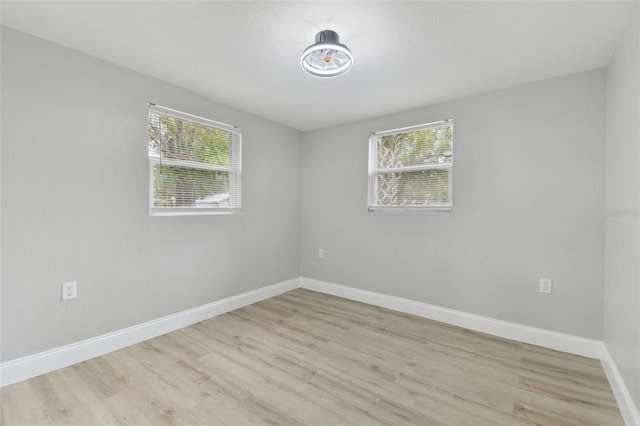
(194, 164)
(410, 168)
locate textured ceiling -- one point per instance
(406, 54)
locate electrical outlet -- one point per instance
(545, 285)
(321, 253)
(69, 290)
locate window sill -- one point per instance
(192, 212)
(424, 210)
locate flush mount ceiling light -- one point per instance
(326, 57)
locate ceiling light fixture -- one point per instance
(326, 57)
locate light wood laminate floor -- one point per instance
(305, 358)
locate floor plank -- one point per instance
(307, 358)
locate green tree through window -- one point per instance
(412, 167)
(194, 165)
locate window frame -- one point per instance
(372, 186)
(235, 173)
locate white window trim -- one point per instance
(373, 171)
(235, 178)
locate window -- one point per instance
(410, 168)
(194, 164)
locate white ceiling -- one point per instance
(406, 54)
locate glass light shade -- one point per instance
(327, 57)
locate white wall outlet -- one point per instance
(545, 285)
(69, 290)
(321, 253)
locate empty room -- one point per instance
(320, 213)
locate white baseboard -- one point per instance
(627, 407)
(33, 365)
(549, 339)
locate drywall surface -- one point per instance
(622, 213)
(528, 194)
(75, 203)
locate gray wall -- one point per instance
(74, 203)
(622, 260)
(528, 191)
(528, 195)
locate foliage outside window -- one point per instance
(410, 168)
(194, 164)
